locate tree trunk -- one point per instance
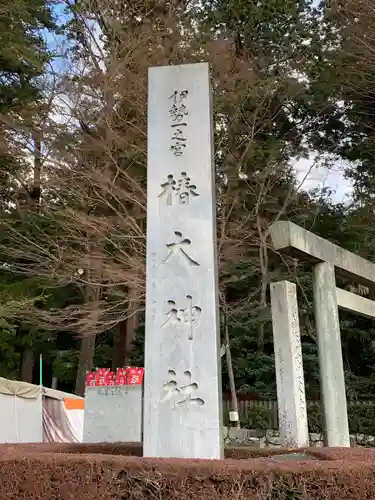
(263, 261)
(232, 385)
(118, 356)
(35, 193)
(92, 294)
(86, 357)
(132, 323)
(123, 345)
(27, 365)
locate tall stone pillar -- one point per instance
(332, 382)
(182, 397)
(291, 396)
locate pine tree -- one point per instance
(23, 59)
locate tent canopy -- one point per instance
(31, 391)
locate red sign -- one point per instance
(102, 379)
(135, 376)
(111, 379)
(123, 376)
(90, 379)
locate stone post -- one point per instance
(113, 414)
(182, 397)
(333, 396)
(289, 367)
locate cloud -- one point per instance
(324, 172)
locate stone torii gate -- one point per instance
(328, 260)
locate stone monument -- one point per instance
(182, 390)
(113, 414)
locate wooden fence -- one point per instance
(269, 408)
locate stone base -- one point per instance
(271, 438)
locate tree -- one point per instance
(24, 53)
(343, 76)
(90, 233)
(23, 60)
(85, 240)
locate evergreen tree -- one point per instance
(23, 59)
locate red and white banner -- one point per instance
(103, 377)
(135, 376)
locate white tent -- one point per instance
(36, 414)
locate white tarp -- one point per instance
(76, 418)
(20, 389)
(21, 419)
(33, 414)
(57, 427)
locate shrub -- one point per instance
(256, 417)
(362, 419)
(329, 474)
(315, 418)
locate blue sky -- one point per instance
(55, 42)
